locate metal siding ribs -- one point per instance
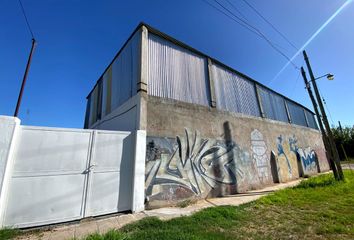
(176, 73)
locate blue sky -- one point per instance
(78, 39)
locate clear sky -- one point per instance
(78, 39)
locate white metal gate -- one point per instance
(66, 174)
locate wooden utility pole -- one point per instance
(329, 153)
(341, 144)
(325, 121)
(25, 78)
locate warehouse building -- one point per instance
(211, 130)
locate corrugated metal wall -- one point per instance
(118, 84)
(234, 93)
(311, 119)
(297, 114)
(125, 73)
(177, 73)
(273, 105)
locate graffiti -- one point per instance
(306, 156)
(282, 148)
(183, 167)
(260, 157)
(308, 159)
(287, 159)
(292, 154)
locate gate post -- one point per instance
(9, 127)
(138, 190)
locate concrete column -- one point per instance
(141, 117)
(142, 81)
(211, 84)
(307, 121)
(259, 100)
(9, 128)
(138, 198)
(287, 111)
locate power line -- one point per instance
(295, 85)
(267, 21)
(325, 104)
(258, 31)
(233, 19)
(237, 10)
(24, 14)
(262, 35)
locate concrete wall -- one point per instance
(196, 151)
(124, 118)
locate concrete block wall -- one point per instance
(197, 152)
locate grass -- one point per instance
(8, 233)
(350, 160)
(186, 203)
(318, 208)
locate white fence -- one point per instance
(54, 175)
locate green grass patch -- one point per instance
(318, 208)
(8, 233)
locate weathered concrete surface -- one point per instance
(103, 225)
(196, 152)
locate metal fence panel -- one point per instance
(297, 114)
(63, 174)
(177, 73)
(234, 93)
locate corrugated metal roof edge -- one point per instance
(169, 38)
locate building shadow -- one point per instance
(274, 167)
(229, 171)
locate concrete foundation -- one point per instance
(198, 152)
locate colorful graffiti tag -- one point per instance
(290, 153)
(286, 160)
(190, 166)
(306, 156)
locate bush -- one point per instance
(344, 137)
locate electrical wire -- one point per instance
(261, 33)
(325, 104)
(250, 27)
(24, 14)
(237, 10)
(295, 85)
(235, 20)
(246, 19)
(270, 24)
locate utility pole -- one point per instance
(329, 153)
(25, 78)
(325, 120)
(341, 144)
